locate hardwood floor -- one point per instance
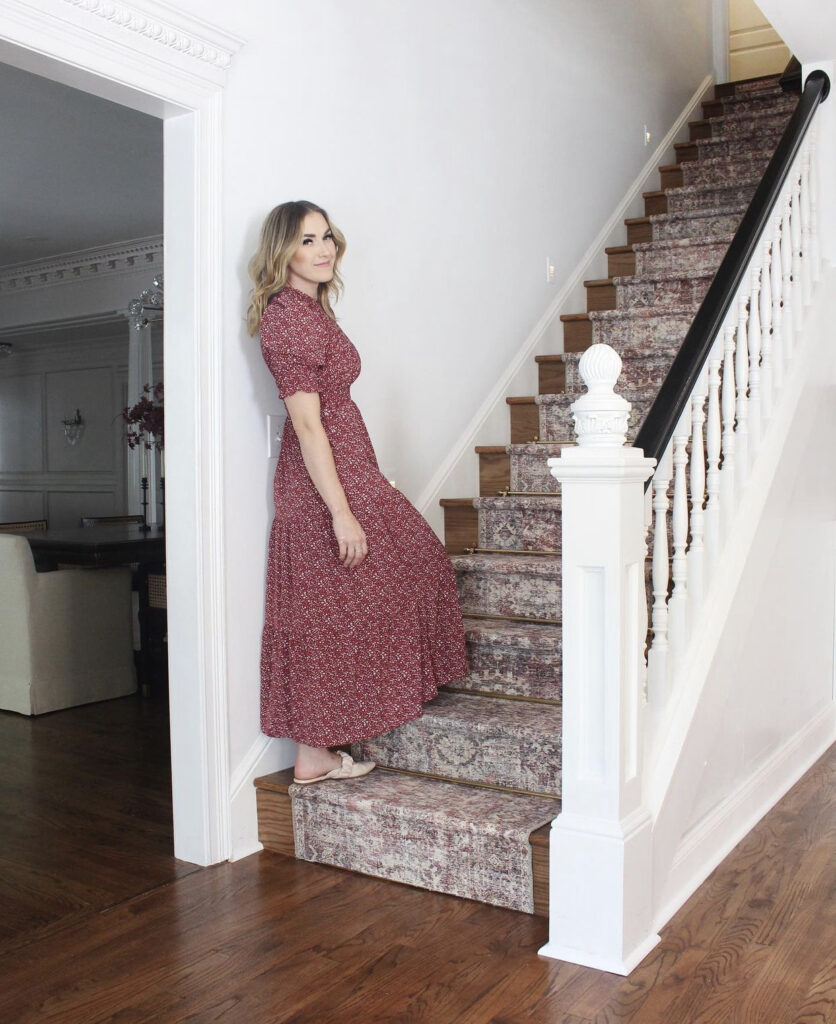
(272, 940)
(85, 814)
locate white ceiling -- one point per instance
(808, 27)
(76, 171)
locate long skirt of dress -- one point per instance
(351, 653)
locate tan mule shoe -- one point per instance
(348, 769)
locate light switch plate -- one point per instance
(275, 424)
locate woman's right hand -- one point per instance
(351, 538)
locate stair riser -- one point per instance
(635, 373)
(495, 472)
(531, 473)
(686, 201)
(748, 105)
(669, 228)
(699, 172)
(642, 294)
(514, 758)
(740, 123)
(522, 595)
(696, 260)
(520, 529)
(557, 424)
(461, 529)
(621, 264)
(737, 148)
(642, 334)
(513, 671)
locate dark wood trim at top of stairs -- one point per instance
(275, 831)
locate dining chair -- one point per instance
(23, 526)
(101, 520)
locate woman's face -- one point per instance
(313, 262)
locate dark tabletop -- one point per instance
(108, 544)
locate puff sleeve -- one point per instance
(294, 344)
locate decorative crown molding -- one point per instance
(169, 27)
(103, 261)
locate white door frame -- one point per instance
(151, 57)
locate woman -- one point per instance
(362, 619)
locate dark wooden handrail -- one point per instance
(669, 404)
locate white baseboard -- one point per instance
(460, 462)
(715, 836)
(265, 755)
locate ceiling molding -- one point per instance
(103, 261)
(161, 24)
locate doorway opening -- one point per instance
(176, 75)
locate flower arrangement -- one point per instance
(145, 419)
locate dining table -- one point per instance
(108, 545)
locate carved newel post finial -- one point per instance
(601, 416)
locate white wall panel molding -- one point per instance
(70, 268)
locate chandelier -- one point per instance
(148, 308)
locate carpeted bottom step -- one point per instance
(451, 838)
(516, 744)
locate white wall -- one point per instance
(457, 145)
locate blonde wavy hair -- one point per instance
(281, 236)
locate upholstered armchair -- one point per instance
(65, 636)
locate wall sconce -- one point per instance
(74, 428)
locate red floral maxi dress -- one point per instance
(346, 654)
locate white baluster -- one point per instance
(727, 473)
(787, 322)
(777, 311)
(677, 607)
(712, 445)
(814, 198)
(754, 362)
(696, 549)
(795, 234)
(742, 375)
(806, 228)
(658, 684)
(766, 331)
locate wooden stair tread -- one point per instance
(636, 220)
(568, 318)
(490, 449)
(557, 358)
(601, 282)
(455, 502)
(654, 194)
(618, 250)
(521, 400)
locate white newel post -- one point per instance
(600, 872)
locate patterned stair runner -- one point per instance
(460, 789)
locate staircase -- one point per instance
(464, 796)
